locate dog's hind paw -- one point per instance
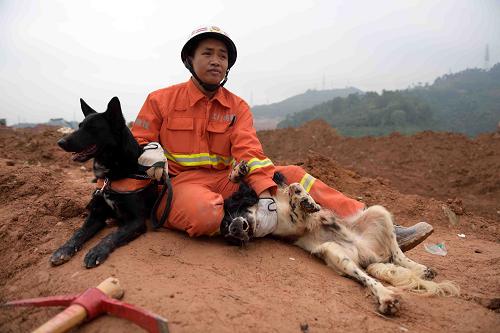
(389, 301)
(429, 273)
(62, 255)
(95, 257)
(389, 305)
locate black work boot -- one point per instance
(409, 237)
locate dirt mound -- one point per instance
(34, 146)
(436, 165)
(35, 202)
(203, 285)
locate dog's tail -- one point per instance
(406, 279)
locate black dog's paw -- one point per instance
(96, 256)
(62, 255)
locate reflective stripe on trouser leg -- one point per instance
(307, 182)
(324, 195)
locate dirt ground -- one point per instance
(203, 285)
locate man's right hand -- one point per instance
(154, 160)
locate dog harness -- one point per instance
(125, 185)
(137, 183)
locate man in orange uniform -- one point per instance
(201, 128)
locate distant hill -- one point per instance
(57, 122)
(267, 116)
(467, 102)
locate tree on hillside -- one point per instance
(466, 102)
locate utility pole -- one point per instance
(487, 58)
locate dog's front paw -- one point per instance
(295, 189)
(62, 255)
(389, 303)
(239, 172)
(96, 256)
(299, 195)
(309, 206)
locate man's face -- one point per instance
(210, 60)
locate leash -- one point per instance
(103, 188)
(167, 189)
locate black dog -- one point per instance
(106, 138)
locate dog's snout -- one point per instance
(245, 226)
(239, 228)
(236, 225)
(62, 142)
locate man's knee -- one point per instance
(196, 211)
(206, 216)
(296, 170)
(292, 173)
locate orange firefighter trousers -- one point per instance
(198, 198)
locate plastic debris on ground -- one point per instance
(439, 249)
(461, 235)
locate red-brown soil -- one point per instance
(203, 285)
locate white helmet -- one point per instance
(209, 32)
(193, 40)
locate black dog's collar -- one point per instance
(107, 186)
(103, 188)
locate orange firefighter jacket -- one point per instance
(196, 132)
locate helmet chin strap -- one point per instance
(206, 86)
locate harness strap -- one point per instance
(133, 184)
(123, 185)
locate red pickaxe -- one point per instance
(92, 303)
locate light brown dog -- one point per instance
(363, 247)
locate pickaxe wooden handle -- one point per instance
(92, 303)
(76, 313)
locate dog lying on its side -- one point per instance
(363, 247)
(106, 138)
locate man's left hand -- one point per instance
(154, 160)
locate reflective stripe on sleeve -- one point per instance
(198, 159)
(307, 182)
(255, 163)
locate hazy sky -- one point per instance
(54, 52)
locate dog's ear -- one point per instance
(85, 108)
(241, 199)
(116, 121)
(114, 113)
